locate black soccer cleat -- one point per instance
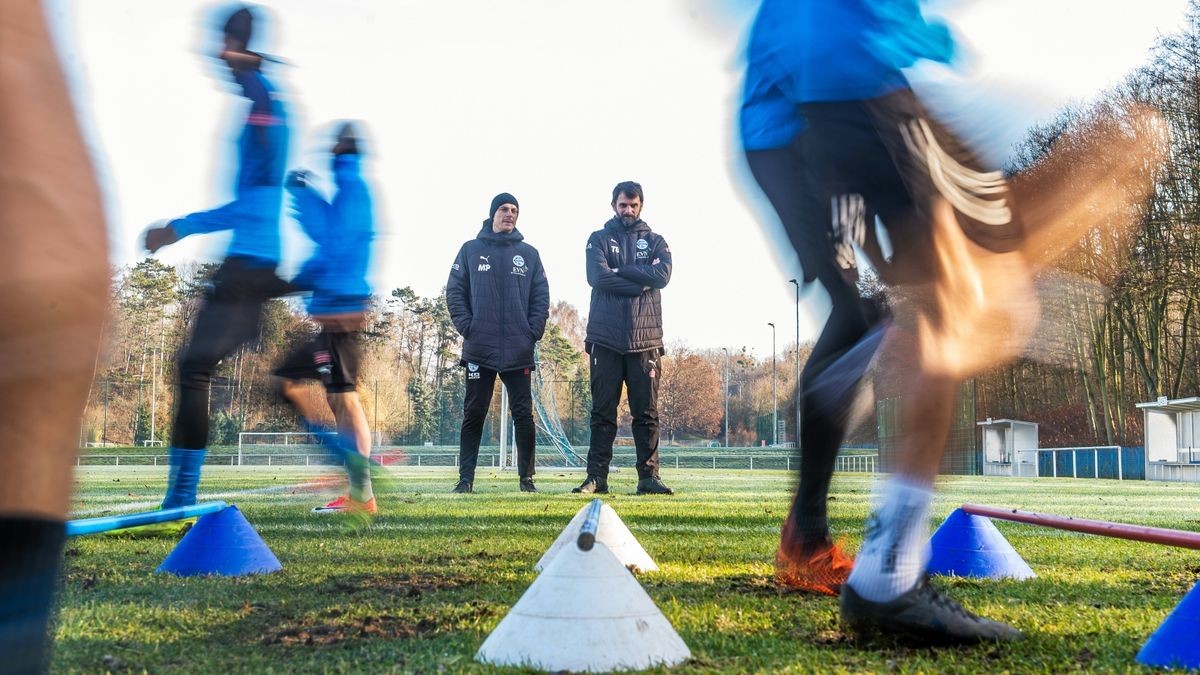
(527, 484)
(923, 615)
(464, 487)
(594, 485)
(653, 486)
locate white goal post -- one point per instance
(284, 438)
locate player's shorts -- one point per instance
(886, 155)
(331, 357)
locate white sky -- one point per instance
(552, 100)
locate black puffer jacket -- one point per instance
(626, 310)
(499, 299)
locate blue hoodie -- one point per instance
(254, 213)
(343, 230)
(810, 51)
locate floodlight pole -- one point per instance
(797, 285)
(774, 393)
(726, 350)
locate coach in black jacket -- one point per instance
(627, 266)
(499, 301)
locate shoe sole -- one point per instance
(831, 590)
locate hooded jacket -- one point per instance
(499, 299)
(626, 308)
(343, 229)
(254, 213)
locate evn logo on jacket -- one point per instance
(642, 246)
(518, 265)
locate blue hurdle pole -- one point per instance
(591, 523)
(106, 523)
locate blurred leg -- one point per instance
(54, 279)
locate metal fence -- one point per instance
(682, 460)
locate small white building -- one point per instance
(1172, 435)
(1009, 448)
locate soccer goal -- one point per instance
(268, 443)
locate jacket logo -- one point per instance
(614, 248)
(518, 261)
(642, 244)
(518, 267)
(455, 267)
(472, 369)
(484, 266)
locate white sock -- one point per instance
(895, 547)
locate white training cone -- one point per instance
(585, 612)
(612, 533)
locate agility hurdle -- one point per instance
(107, 523)
(1153, 535)
(591, 523)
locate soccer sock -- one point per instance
(358, 470)
(895, 546)
(184, 478)
(29, 563)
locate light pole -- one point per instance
(774, 392)
(726, 350)
(797, 284)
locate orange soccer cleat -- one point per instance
(821, 571)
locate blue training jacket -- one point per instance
(810, 51)
(343, 230)
(254, 213)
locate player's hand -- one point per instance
(160, 236)
(300, 178)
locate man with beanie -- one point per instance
(499, 301)
(627, 266)
(246, 280)
(336, 274)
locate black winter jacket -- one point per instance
(499, 299)
(626, 310)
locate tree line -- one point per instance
(412, 382)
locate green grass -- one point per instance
(421, 589)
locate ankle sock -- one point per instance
(896, 544)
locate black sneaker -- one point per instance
(594, 485)
(527, 485)
(653, 486)
(464, 487)
(924, 615)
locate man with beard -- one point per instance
(499, 301)
(627, 267)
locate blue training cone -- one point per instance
(222, 543)
(1174, 644)
(970, 546)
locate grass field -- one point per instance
(423, 586)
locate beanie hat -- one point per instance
(501, 199)
(239, 26)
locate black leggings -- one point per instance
(229, 318)
(807, 220)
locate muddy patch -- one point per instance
(318, 633)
